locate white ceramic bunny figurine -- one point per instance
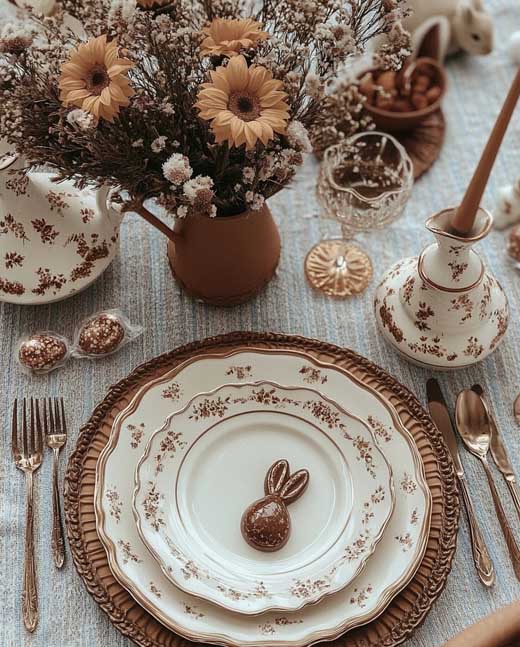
(471, 27)
(507, 212)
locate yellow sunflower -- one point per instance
(228, 37)
(244, 104)
(95, 79)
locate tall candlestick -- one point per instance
(464, 218)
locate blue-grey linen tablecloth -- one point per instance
(139, 282)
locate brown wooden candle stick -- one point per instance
(464, 218)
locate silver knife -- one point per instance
(441, 417)
(499, 452)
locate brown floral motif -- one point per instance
(115, 505)
(359, 547)
(487, 286)
(408, 287)
(170, 445)
(423, 314)
(326, 414)
(56, 201)
(193, 611)
(269, 628)
(502, 320)
(48, 281)
(210, 408)
(365, 454)
(414, 517)
(474, 348)
(18, 182)
(87, 215)
(232, 594)
(172, 392)
(90, 251)
(387, 319)
(137, 432)
(155, 590)
(313, 375)
(81, 271)
(427, 347)
(48, 233)
(240, 372)
(408, 485)
(304, 589)
(406, 541)
(463, 303)
(10, 225)
(128, 555)
(13, 259)
(11, 287)
(151, 503)
(456, 249)
(457, 270)
(380, 430)
(360, 596)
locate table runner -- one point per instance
(139, 282)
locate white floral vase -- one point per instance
(55, 240)
(443, 310)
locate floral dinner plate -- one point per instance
(388, 571)
(207, 464)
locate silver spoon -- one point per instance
(473, 425)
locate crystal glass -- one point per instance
(364, 184)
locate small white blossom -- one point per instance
(139, 143)
(248, 174)
(182, 211)
(81, 120)
(213, 211)
(177, 169)
(159, 144)
(199, 183)
(299, 137)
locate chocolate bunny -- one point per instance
(266, 524)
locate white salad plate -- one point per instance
(387, 572)
(207, 465)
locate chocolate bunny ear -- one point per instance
(276, 477)
(295, 486)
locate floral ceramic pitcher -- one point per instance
(55, 240)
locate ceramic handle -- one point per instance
(483, 563)
(512, 546)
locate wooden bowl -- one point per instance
(393, 122)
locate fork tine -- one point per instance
(52, 428)
(24, 429)
(57, 416)
(14, 429)
(63, 421)
(32, 428)
(39, 432)
(44, 416)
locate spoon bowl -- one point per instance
(473, 423)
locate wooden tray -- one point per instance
(407, 610)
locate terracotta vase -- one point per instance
(226, 260)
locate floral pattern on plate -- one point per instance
(188, 552)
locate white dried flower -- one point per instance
(168, 108)
(82, 120)
(182, 211)
(299, 137)
(159, 144)
(139, 143)
(121, 9)
(248, 174)
(193, 187)
(213, 211)
(177, 169)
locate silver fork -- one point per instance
(28, 456)
(56, 436)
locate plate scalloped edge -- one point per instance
(395, 625)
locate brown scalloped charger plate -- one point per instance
(404, 614)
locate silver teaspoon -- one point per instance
(473, 425)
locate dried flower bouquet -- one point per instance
(203, 105)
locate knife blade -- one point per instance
(499, 452)
(441, 417)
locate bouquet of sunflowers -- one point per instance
(202, 105)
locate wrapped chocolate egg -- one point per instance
(513, 246)
(103, 333)
(42, 352)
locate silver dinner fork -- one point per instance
(28, 455)
(56, 436)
